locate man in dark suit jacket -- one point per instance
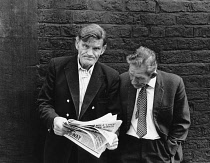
(81, 88)
(167, 116)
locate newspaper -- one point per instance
(93, 135)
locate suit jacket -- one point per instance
(59, 96)
(170, 109)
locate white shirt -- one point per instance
(151, 130)
(84, 78)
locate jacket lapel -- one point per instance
(94, 85)
(131, 102)
(158, 96)
(71, 72)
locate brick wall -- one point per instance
(179, 31)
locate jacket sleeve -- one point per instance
(114, 101)
(181, 119)
(45, 99)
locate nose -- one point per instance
(90, 51)
(133, 80)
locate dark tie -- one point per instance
(142, 112)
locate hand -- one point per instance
(114, 144)
(58, 128)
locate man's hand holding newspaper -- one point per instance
(96, 135)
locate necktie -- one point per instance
(142, 112)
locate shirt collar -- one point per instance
(152, 81)
(80, 67)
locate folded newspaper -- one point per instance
(93, 135)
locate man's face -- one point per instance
(138, 76)
(90, 51)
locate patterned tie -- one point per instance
(142, 112)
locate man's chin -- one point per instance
(88, 64)
(138, 86)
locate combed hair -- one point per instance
(143, 57)
(92, 30)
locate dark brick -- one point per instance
(102, 17)
(201, 56)
(124, 44)
(140, 31)
(174, 6)
(161, 43)
(69, 30)
(49, 30)
(178, 56)
(136, 5)
(88, 16)
(199, 156)
(203, 31)
(116, 31)
(45, 4)
(132, 44)
(207, 79)
(186, 69)
(118, 18)
(43, 44)
(179, 31)
(136, 19)
(200, 119)
(197, 144)
(71, 4)
(110, 5)
(193, 19)
(64, 44)
(200, 6)
(60, 53)
(62, 4)
(55, 43)
(116, 56)
(158, 19)
(202, 105)
(55, 16)
(193, 44)
(45, 56)
(157, 32)
(199, 131)
(41, 30)
(197, 95)
(116, 43)
(195, 81)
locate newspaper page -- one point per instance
(93, 135)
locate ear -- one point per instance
(103, 49)
(77, 42)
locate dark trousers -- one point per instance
(134, 150)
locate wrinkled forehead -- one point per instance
(93, 41)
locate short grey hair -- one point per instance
(143, 57)
(92, 30)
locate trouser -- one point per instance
(134, 150)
